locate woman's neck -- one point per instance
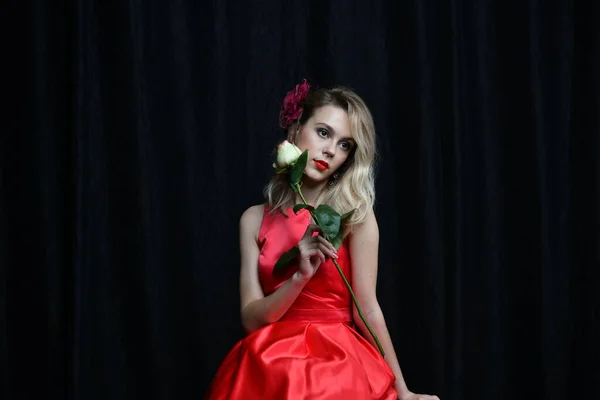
(310, 192)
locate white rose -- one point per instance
(287, 153)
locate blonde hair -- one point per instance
(355, 188)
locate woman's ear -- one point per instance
(293, 132)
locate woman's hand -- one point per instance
(415, 396)
(313, 252)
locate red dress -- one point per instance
(313, 351)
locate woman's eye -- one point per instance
(323, 132)
(345, 145)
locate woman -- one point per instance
(302, 339)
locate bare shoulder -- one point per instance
(367, 230)
(252, 214)
(251, 219)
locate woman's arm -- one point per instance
(364, 248)
(256, 309)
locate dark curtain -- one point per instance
(139, 131)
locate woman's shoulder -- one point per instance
(252, 214)
(367, 227)
(251, 219)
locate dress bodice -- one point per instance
(325, 297)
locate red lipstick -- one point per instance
(321, 165)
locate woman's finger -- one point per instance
(309, 246)
(315, 241)
(316, 252)
(321, 239)
(328, 250)
(310, 229)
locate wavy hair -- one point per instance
(355, 187)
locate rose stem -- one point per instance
(362, 317)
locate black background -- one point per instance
(139, 131)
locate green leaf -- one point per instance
(338, 239)
(298, 168)
(299, 207)
(285, 259)
(329, 220)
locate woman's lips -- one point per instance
(321, 165)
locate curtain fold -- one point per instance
(145, 129)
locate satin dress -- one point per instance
(313, 351)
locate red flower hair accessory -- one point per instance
(292, 104)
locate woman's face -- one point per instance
(328, 139)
